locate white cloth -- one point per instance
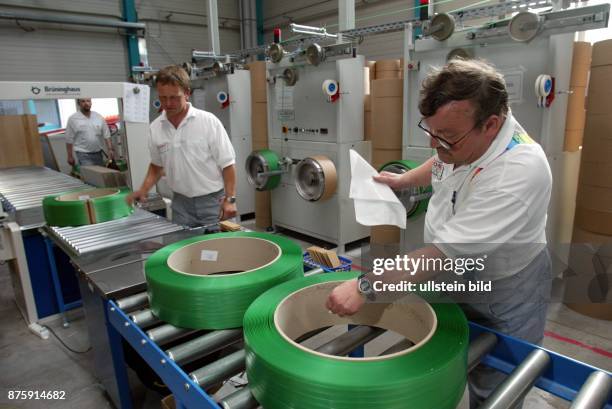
(500, 206)
(85, 134)
(194, 154)
(375, 203)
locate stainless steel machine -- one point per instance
(315, 117)
(226, 92)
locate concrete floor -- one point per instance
(29, 363)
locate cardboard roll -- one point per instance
(259, 162)
(412, 199)
(208, 282)
(275, 52)
(286, 374)
(86, 206)
(316, 178)
(315, 54)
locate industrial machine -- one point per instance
(39, 290)
(315, 117)
(225, 91)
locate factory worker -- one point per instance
(491, 188)
(85, 132)
(194, 151)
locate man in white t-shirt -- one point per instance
(491, 189)
(85, 131)
(193, 150)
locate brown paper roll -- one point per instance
(263, 214)
(594, 221)
(329, 172)
(596, 174)
(581, 64)
(594, 198)
(259, 144)
(602, 53)
(259, 121)
(259, 85)
(384, 235)
(576, 114)
(573, 140)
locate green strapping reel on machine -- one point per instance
(263, 169)
(414, 200)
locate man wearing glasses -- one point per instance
(491, 188)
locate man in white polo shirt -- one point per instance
(491, 189)
(194, 151)
(85, 131)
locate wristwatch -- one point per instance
(231, 199)
(365, 287)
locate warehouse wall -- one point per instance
(279, 13)
(49, 52)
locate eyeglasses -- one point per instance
(445, 144)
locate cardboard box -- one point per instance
(388, 65)
(100, 176)
(598, 126)
(20, 141)
(593, 221)
(583, 236)
(367, 103)
(594, 197)
(602, 53)
(381, 157)
(259, 121)
(598, 311)
(168, 402)
(601, 78)
(382, 88)
(367, 126)
(599, 100)
(384, 235)
(596, 149)
(387, 122)
(596, 174)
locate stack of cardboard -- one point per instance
(259, 128)
(226, 225)
(100, 176)
(576, 112)
(367, 104)
(593, 220)
(387, 122)
(388, 69)
(20, 141)
(323, 257)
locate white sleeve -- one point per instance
(489, 218)
(105, 130)
(221, 148)
(154, 151)
(70, 134)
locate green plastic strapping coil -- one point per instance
(282, 375)
(209, 281)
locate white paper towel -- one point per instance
(375, 203)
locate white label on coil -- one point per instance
(84, 197)
(209, 255)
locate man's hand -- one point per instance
(228, 210)
(394, 180)
(345, 299)
(138, 196)
(111, 155)
(71, 160)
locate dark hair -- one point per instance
(175, 75)
(460, 80)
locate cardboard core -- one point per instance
(304, 311)
(224, 256)
(93, 194)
